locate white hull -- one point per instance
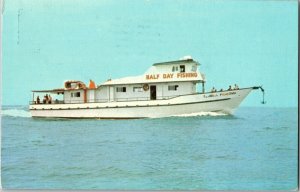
(225, 102)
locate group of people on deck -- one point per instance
(46, 100)
(236, 87)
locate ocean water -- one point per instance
(254, 149)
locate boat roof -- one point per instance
(124, 80)
(185, 61)
(60, 90)
(141, 80)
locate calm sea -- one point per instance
(255, 149)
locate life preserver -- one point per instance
(146, 87)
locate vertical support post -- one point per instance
(108, 93)
(85, 96)
(32, 97)
(112, 94)
(162, 91)
(203, 88)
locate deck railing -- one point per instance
(71, 101)
(128, 99)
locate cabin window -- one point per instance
(121, 89)
(70, 85)
(137, 89)
(172, 87)
(182, 68)
(194, 68)
(174, 68)
(76, 94)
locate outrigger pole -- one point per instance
(263, 91)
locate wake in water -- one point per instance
(15, 113)
(213, 114)
(25, 113)
(198, 114)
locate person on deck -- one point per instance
(44, 100)
(47, 98)
(38, 100)
(213, 90)
(50, 99)
(236, 87)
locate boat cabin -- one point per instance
(161, 81)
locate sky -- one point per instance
(249, 43)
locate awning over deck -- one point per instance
(49, 91)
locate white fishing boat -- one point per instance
(165, 89)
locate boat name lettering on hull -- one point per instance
(221, 94)
(229, 93)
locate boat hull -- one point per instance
(224, 102)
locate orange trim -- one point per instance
(92, 85)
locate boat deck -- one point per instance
(130, 99)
